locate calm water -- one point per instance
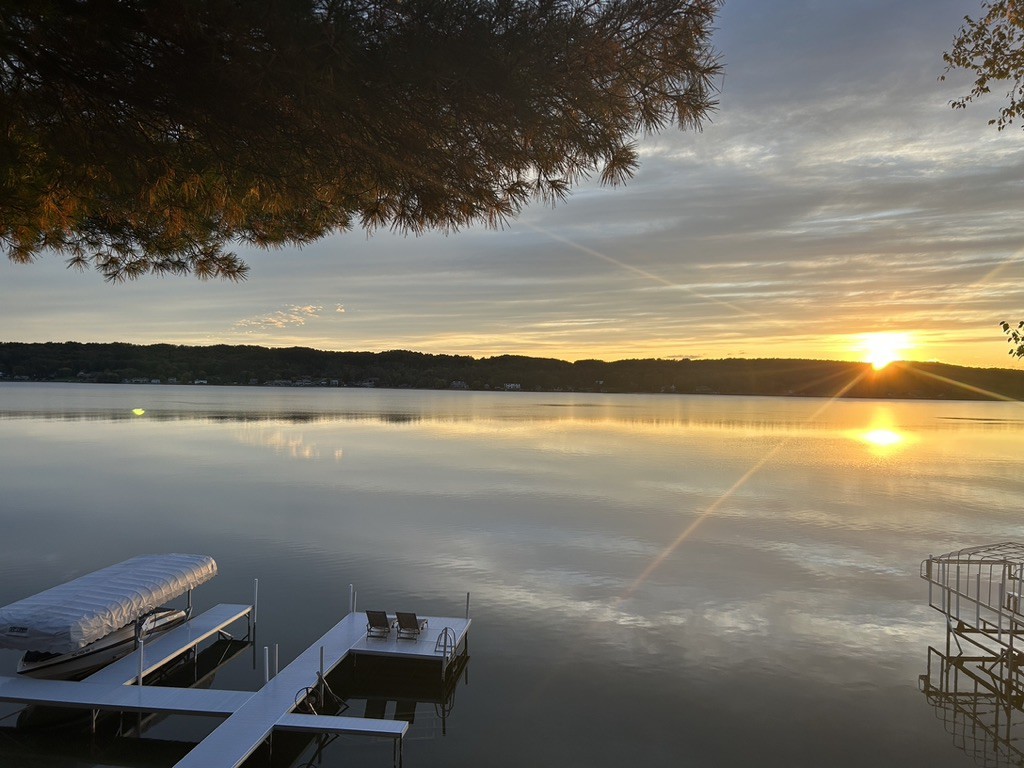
(657, 580)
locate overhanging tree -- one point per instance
(991, 47)
(1015, 337)
(149, 136)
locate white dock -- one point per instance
(360, 726)
(425, 647)
(271, 707)
(170, 645)
(251, 717)
(109, 687)
(122, 698)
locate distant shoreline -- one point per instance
(240, 365)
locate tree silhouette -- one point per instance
(992, 48)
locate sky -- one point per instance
(833, 195)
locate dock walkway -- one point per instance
(170, 645)
(270, 707)
(250, 717)
(122, 698)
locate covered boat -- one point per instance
(106, 650)
(87, 613)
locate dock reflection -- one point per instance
(980, 701)
(380, 688)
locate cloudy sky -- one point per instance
(834, 194)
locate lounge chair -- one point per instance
(377, 624)
(409, 627)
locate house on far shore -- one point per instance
(513, 387)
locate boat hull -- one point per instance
(96, 655)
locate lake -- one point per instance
(657, 580)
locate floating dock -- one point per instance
(250, 717)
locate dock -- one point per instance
(250, 717)
(170, 645)
(271, 707)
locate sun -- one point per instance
(880, 349)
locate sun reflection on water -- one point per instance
(883, 437)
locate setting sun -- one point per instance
(880, 349)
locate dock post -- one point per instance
(1002, 599)
(958, 593)
(142, 662)
(277, 658)
(977, 605)
(928, 571)
(255, 604)
(322, 681)
(351, 598)
(467, 605)
(266, 665)
(947, 602)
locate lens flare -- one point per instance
(668, 551)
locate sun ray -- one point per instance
(966, 387)
(758, 465)
(642, 272)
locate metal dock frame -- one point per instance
(976, 683)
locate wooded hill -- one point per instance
(300, 366)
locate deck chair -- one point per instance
(409, 627)
(377, 624)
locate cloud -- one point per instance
(293, 315)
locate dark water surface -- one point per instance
(656, 580)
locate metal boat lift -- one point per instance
(977, 682)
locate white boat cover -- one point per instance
(69, 617)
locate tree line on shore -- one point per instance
(248, 365)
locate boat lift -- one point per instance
(976, 684)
